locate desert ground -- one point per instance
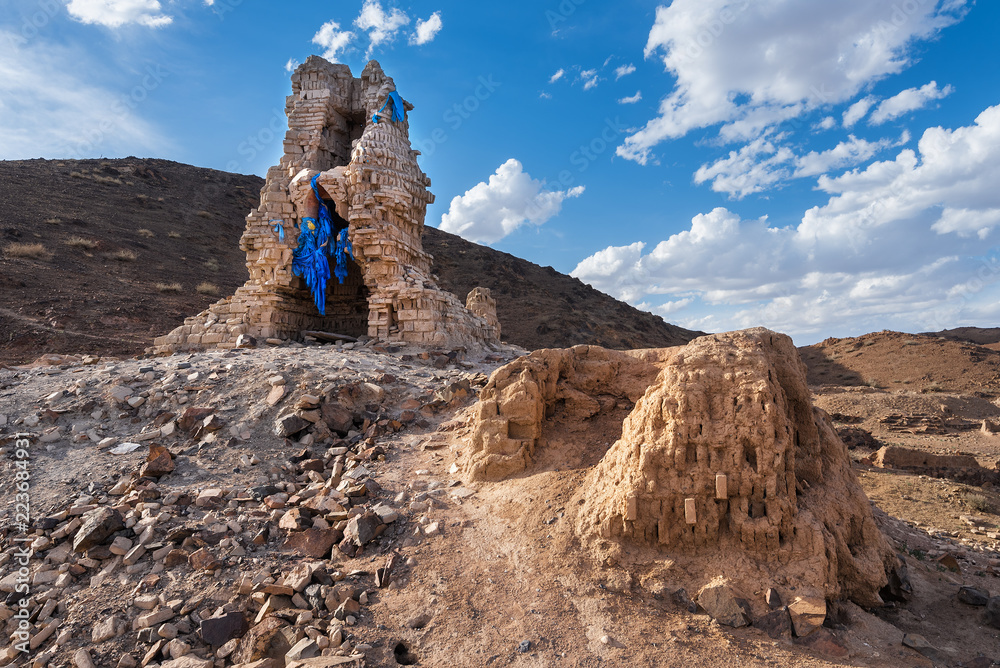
(482, 573)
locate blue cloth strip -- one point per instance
(310, 260)
(397, 108)
(279, 228)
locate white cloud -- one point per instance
(828, 123)
(765, 162)
(69, 117)
(857, 111)
(845, 154)
(908, 100)
(332, 39)
(745, 172)
(615, 270)
(965, 222)
(511, 199)
(668, 308)
(427, 30)
(381, 26)
(632, 99)
(116, 13)
(908, 243)
(557, 76)
(291, 65)
(735, 64)
(544, 95)
(589, 78)
(624, 70)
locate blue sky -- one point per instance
(823, 169)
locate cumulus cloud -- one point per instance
(846, 153)
(624, 70)
(908, 243)
(427, 30)
(966, 222)
(332, 39)
(908, 100)
(69, 116)
(291, 65)
(828, 123)
(857, 111)
(511, 199)
(751, 169)
(737, 66)
(631, 99)
(116, 13)
(557, 76)
(669, 308)
(765, 162)
(381, 26)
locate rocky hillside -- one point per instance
(982, 336)
(897, 361)
(100, 256)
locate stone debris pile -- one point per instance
(267, 566)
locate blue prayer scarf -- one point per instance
(397, 108)
(310, 260)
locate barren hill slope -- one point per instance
(897, 361)
(983, 336)
(540, 308)
(100, 256)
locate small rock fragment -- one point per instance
(97, 526)
(721, 604)
(289, 425)
(303, 649)
(992, 615)
(104, 630)
(159, 462)
(82, 659)
(315, 543)
(203, 560)
(189, 661)
(217, 631)
(973, 596)
(808, 614)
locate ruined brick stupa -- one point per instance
(722, 467)
(343, 133)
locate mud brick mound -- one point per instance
(723, 464)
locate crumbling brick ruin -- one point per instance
(721, 454)
(370, 181)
